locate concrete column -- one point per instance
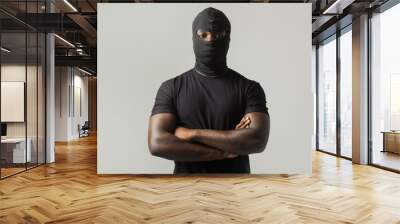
(50, 79)
(360, 90)
(50, 93)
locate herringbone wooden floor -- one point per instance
(70, 191)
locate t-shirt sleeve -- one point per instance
(255, 99)
(164, 102)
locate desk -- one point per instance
(391, 141)
(13, 150)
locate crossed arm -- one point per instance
(241, 141)
(167, 140)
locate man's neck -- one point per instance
(210, 72)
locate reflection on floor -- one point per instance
(11, 169)
(387, 159)
(70, 191)
(347, 152)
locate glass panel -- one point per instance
(13, 89)
(346, 93)
(327, 96)
(22, 87)
(32, 95)
(31, 86)
(41, 98)
(386, 89)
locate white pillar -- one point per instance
(360, 90)
(50, 92)
(50, 83)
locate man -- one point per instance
(209, 118)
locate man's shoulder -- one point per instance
(176, 79)
(242, 78)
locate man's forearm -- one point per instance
(170, 147)
(241, 141)
(249, 136)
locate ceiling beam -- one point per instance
(85, 61)
(84, 24)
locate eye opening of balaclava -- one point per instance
(211, 55)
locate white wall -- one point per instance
(80, 84)
(68, 81)
(270, 43)
(61, 103)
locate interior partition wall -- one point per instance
(22, 77)
(334, 94)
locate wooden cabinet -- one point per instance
(391, 142)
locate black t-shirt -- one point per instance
(218, 103)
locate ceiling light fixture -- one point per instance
(5, 50)
(84, 71)
(337, 7)
(64, 40)
(79, 51)
(70, 5)
(329, 9)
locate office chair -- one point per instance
(84, 130)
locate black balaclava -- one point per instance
(211, 56)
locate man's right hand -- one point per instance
(244, 123)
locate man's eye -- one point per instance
(220, 35)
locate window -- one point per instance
(385, 89)
(346, 93)
(327, 96)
